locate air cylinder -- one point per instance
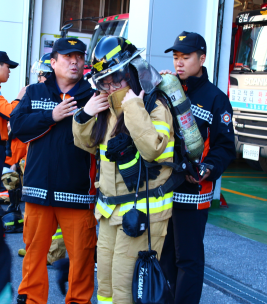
(181, 105)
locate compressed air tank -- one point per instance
(181, 105)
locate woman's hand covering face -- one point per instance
(96, 104)
(130, 95)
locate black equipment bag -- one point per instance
(149, 285)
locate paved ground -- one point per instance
(239, 251)
(233, 255)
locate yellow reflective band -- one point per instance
(168, 152)
(9, 224)
(164, 155)
(131, 163)
(58, 230)
(103, 149)
(47, 61)
(21, 221)
(57, 237)
(128, 42)
(103, 157)
(113, 52)
(156, 205)
(104, 300)
(104, 209)
(162, 127)
(161, 123)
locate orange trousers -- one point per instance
(79, 233)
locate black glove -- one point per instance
(122, 150)
(153, 172)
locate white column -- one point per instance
(223, 76)
(36, 36)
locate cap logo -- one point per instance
(72, 42)
(181, 38)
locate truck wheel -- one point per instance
(263, 163)
(254, 164)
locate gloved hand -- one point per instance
(153, 172)
(122, 150)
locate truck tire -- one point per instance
(254, 164)
(263, 163)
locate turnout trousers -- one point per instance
(79, 233)
(182, 259)
(116, 257)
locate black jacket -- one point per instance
(57, 173)
(213, 113)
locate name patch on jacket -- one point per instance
(226, 118)
(202, 114)
(43, 105)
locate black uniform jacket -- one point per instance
(57, 173)
(213, 113)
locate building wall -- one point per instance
(47, 29)
(14, 38)
(155, 25)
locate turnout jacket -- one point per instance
(213, 113)
(57, 173)
(5, 109)
(154, 139)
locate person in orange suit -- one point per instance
(5, 107)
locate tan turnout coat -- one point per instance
(153, 136)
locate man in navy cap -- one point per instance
(5, 107)
(211, 108)
(58, 178)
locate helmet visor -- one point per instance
(40, 67)
(121, 67)
(106, 79)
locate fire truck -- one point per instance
(109, 26)
(248, 87)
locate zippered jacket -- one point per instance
(57, 173)
(213, 113)
(154, 139)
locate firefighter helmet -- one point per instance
(12, 222)
(112, 55)
(10, 178)
(42, 67)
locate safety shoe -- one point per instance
(22, 252)
(21, 299)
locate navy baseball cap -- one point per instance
(68, 45)
(188, 42)
(4, 58)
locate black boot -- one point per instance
(62, 267)
(14, 197)
(21, 299)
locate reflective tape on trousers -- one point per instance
(104, 300)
